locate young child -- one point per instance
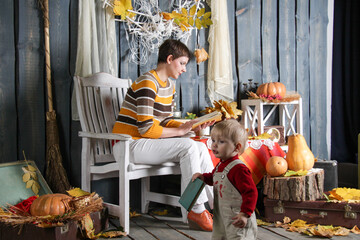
(235, 193)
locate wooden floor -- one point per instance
(172, 228)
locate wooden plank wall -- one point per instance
(271, 40)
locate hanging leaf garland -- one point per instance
(30, 178)
(147, 26)
(187, 19)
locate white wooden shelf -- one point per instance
(255, 120)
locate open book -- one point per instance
(217, 116)
(191, 193)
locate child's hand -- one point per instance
(197, 175)
(240, 220)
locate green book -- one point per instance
(191, 193)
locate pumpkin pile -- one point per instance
(53, 209)
(273, 92)
(299, 159)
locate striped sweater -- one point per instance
(147, 108)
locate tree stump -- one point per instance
(296, 188)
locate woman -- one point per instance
(146, 115)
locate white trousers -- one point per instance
(193, 157)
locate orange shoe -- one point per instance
(201, 221)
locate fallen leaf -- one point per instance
(88, 225)
(355, 230)
(161, 213)
(134, 214)
(262, 223)
(286, 220)
(111, 234)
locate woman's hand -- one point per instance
(240, 220)
(185, 127)
(197, 175)
(203, 126)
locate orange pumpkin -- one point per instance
(50, 204)
(276, 166)
(271, 89)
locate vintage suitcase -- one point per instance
(70, 231)
(331, 173)
(317, 212)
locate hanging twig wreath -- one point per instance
(147, 26)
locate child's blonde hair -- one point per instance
(233, 130)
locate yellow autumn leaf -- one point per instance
(264, 135)
(127, 4)
(290, 173)
(121, 8)
(35, 189)
(134, 214)
(33, 175)
(208, 21)
(184, 11)
(323, 232)
(198, 23)
(88, 225)
(77, 192)
(200, 12)
(31, 168)
(29, 183)
(203, 24)
(192, 10)
(37, 184)
(207, 15)
(191, 21)
(111, 234)
(262, 223)
(176, 14)
(298, 223)
(26, 177)
(161, 213)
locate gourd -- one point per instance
(271, 89)
(299, 156)
(276, 166)
(50, 204)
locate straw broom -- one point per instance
(55, 173)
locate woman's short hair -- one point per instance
(231, 129)
(172, 47)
